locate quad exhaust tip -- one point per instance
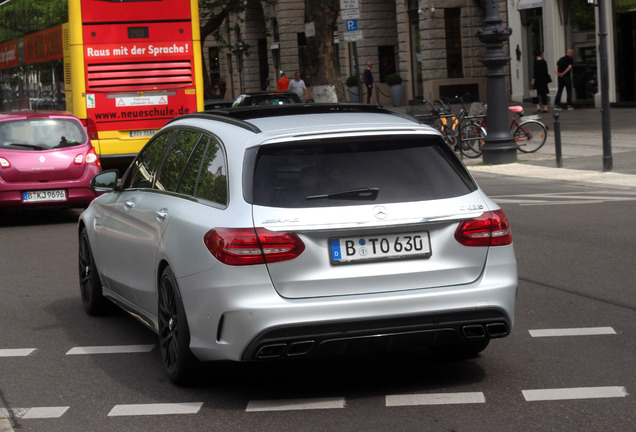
(292, 349)
(480, 331)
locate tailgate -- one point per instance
(43, 166)
(375, 248)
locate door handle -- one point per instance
(161, 214)
(129, 204)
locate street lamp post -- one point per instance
(605, 111)
(499, 147)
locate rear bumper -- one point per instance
(353, 337)
(251, 322)
(78, 192)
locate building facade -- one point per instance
(431, 44)
(554, 26)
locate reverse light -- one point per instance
(490, 229)
(4, 163)
(248, 246)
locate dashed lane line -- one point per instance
(295, 404)
(35, 412)
(16, 352)
(589, 331)
(112, 349)
(435, 399)
(574, 393)
(155, 409)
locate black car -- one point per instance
(266, 98)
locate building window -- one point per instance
(452, 22)
(386, 54)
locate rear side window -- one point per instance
(212, 184)
(377, 170)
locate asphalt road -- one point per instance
(568, 365)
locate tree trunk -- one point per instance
(322, 52)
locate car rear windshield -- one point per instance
(41, 134)
(328, 173)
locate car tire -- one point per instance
(174, 333)
(93, 300)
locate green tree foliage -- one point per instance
(23, 17)
(212, 14)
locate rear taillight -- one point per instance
(247, 246)
(489, 229)
(91, 158)
(91, 127)
(4, 163)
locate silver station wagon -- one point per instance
(294, 231)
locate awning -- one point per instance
(529, 4)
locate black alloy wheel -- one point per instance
(174, 333)
(90, 286)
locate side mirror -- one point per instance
(105, 181)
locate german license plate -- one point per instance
(384, 247)
(44, 195)
(142, 133)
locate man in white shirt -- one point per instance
(298, 86)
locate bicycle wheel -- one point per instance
(530, 136)
(472, 139)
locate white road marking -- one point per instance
(561, 198)
(295, 404)
(435, 399)
(113, 349)
(5, 425)
(574, 393)
(155, 409)
(35, 412)
(589, 331)
(17, 352)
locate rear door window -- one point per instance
(386, 169)
(170, 177)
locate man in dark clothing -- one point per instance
(563, 71)
(368, 81)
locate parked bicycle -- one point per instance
(460, 130)
(528, 132)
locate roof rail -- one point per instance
(239, 115)
(245, 113)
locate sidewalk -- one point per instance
(581, 149)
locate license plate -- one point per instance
(383, 247)
(44, 196)
(142, 133)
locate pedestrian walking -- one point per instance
(283, 82)
(540, 82)
(368, 81)
(563, 70)
(298, 86)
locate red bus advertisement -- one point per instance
(130, 66)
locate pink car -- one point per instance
(46, 160)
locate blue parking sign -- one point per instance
(352, 25)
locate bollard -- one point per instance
(557, 140)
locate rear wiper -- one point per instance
(355, 194)
(30, 146)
